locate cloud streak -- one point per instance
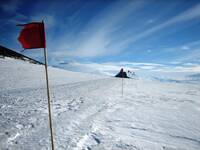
(187, 15)
(98, 40)
(111, 68)
(103, 34)
(11, 6)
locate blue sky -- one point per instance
(104, 35)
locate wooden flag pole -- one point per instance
(49, 100)
(122, 84)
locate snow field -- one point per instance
(89, 112)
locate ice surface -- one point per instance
(90, 113)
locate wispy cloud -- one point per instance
(98, 39)
(102, 34)
(108, 32)
(185, 46)
(11, 6)
(119, 30)
(111, 68)
(187, 15)
(18, 18)
(188, 52)
(191, 56)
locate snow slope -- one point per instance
(18, 74)
(90, 113)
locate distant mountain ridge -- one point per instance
(5, 52)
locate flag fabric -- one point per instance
(32, 35)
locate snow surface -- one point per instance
(89, 112)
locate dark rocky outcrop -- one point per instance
(5, 52)
(122, 74)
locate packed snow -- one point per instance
(90, 113)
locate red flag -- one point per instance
(32, 35)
